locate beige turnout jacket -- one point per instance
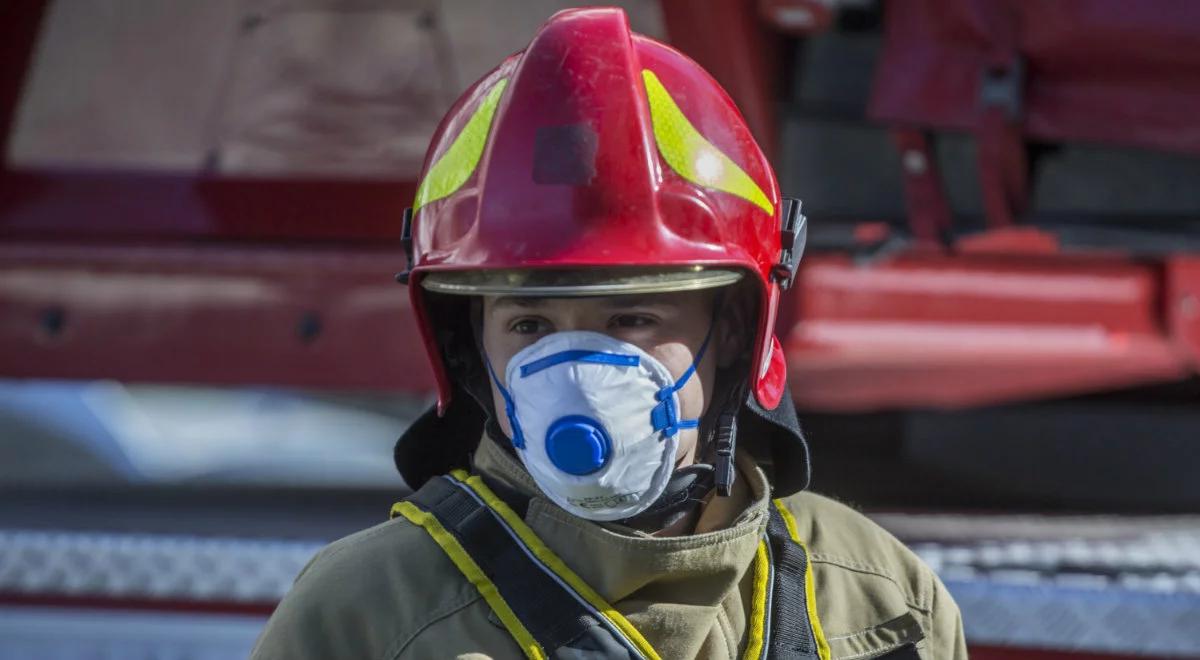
(391, 592)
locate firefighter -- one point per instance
(613, 467)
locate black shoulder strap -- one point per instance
(536, 603)
(789, 596)
(561, 623)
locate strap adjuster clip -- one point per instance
(793, 235)
(406, 242)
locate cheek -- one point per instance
(500, 346)
(498, 406)
(499, 363)
(675, 356)
(693, 398)
(497, 353)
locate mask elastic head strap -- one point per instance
(510, 408)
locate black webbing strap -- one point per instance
(552, 615)
(791, 636)
(565, 627)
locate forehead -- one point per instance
(676, 301)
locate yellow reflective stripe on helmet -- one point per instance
(758, 608)
(471, 570)
(690, 154)
(455, 166)
(552, 562)
(810, 588)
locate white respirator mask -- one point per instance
(596, 421)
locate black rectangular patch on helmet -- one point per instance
(564, 155)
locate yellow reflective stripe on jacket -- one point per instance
(758, 608)
(756, 635)
(455, 166)
(555, 564)
(810, 589)
(691, 155)
(474, 574)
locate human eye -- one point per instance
(529, 325)
(632, 321)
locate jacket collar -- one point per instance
(622, 563)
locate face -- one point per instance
(669, 326)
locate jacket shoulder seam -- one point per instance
(330, 551)
(871, 629)
(846, 563)
(403, 641)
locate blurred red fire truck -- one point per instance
(1005, 205)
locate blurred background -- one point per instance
(204, 360)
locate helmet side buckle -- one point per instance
(406, 242)
(792, 237)
(726, 440)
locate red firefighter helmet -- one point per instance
(597, 162)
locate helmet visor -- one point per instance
(603, 281)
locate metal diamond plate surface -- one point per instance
(149, 567)
(1100, 584)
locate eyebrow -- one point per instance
(622, 302)
(518, 301)
(609, 302)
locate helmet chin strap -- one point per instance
(725, 444)
(686, 491)
(690, 486)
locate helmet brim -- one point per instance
(578, 282)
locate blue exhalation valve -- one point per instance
(578, 445)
